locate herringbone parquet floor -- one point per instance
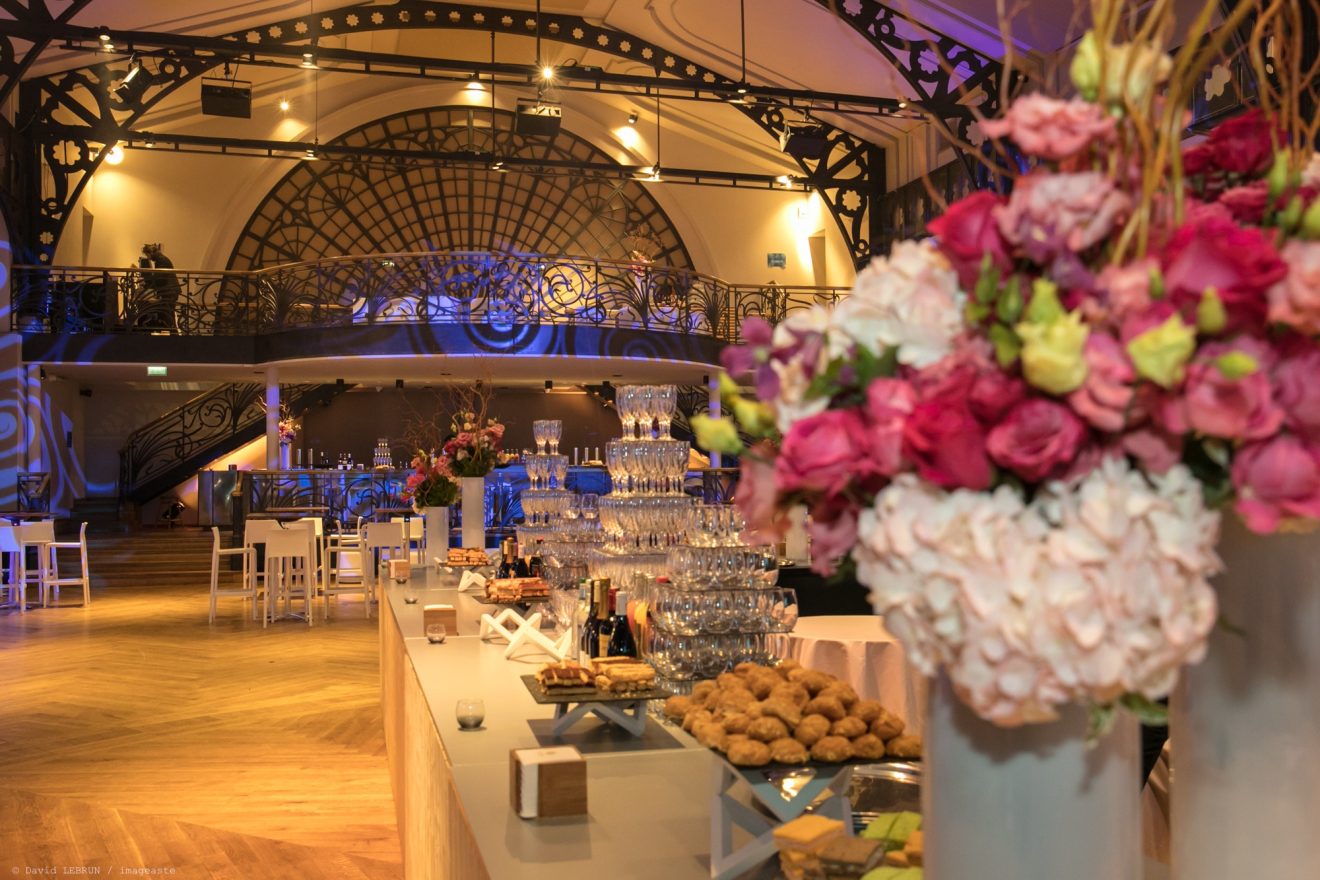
(135, 735)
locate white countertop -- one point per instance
(648, 798)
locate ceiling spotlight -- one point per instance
(498, 165)
(742, 89)
(103, 36)
(284, 105)
(785, 181)
(109, 47)
(149, 143)
(474, 84)
(549, 385)
(398, 383)
(309, 60)
(632, 118)
(547, 72)
(902, 104)
(114, 155)
(310, 154)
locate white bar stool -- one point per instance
(248, 590)
(53, 579)
(14, 559)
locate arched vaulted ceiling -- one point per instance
(357, 207)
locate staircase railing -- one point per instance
(406, 288)
(171, 448)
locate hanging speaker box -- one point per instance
(225, 97)
(537, 118)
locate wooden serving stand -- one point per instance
(626, 710)
(728, 862)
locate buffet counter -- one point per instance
(648, 797)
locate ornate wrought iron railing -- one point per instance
(414, 288)
(169, 449)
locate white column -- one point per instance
(272, 418)
(713, 409)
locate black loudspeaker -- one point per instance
(804, 142)
(224, 97)
(537, 118)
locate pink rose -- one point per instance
(1125, 289)
(1049, 128)
(1056, 216)
(824, 453)
(1154, 449)
(756, 497)
(945, 442)
(1277, 478)
(1240, 264)
(967, 232)
(994, 393)
(888, 403)
(1241, 408)
(833, 534)
(1039, 439)
(1295, 299)
(1105, 398)
(1297, 386)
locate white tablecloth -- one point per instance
(859, 650)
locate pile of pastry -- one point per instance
(611, 675)
(789, 714)
(517, 589)
(467, 556)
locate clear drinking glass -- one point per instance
(435, 633)
(470, 714)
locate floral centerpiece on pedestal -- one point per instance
(432, 483)
(1019, 430)
(477, 445)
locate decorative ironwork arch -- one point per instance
(848, 177)
(329, 207)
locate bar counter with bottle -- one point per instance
(648, 797)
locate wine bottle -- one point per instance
(536, 565)
(604, 627)
(508, 565)
(587, 644)
(622, 643)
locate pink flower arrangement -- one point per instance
(432, 483)
(1020, 431)
(476, 447)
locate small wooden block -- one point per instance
(548, 783)
(444, 614)
(400, 569)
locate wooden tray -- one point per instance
(481, 599)
(599, 696)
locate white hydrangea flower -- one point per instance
(1094, 590)
(909, 299)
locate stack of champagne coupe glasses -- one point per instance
(720, 604)
(559, 525)
(646, 512)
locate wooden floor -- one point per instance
(135, 735)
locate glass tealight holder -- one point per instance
(436, 633)
(470, 714)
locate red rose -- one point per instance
(1038, 440)
(993, 393)
(1243, 144)
(946, 444)
(824, 453)
(967, 232)
(1240, 264)
(1198, 159)
(1247, 204)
